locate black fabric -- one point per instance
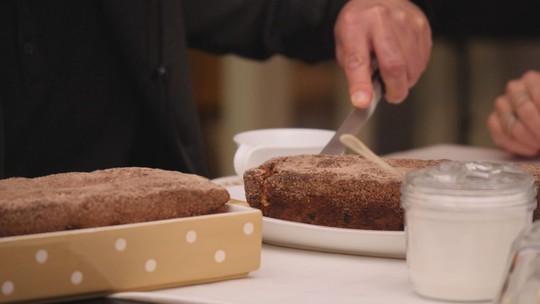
(261, 28)
(96, 84)
(502, 19)
(70, 106)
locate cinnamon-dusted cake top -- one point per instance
(345, 166)
(102, 198)
(117, 182)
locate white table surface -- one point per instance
(294, 276)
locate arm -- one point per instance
(396, 31)
(261, 28)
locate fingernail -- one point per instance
(360, 99)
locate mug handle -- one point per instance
(247, 157)
(241, 157)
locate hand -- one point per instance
(514, 123)
(396, 32)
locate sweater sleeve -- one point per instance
(261, 28)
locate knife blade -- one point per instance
(356, 118)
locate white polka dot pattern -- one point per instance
(248, 228)
(150, 265)
(219, 256)
(76, 277)
(97, 260)
(7, 288)
(120, 244)
(191, 236)
(41, 256)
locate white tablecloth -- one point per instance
(301, 276)
(296, 276)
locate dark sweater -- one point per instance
(87, 85)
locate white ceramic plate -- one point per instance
(322, 238)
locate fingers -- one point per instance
(353, 53)
(403, 49)
(391, 56)
(504, 141)
(531, 80)
(357, 66)
(521, 103)
(397, 33)
(509, 132)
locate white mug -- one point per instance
(257, 146)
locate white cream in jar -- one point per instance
(460, 220)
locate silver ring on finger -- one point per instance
(518, 99)
(507, 121)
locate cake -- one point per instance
(105, 197)
(343, 191)
(534, 170)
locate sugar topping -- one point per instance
(346, 166)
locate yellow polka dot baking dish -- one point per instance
(142, 256)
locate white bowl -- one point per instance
(257, 146)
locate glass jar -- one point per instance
(522, 282)
(460, 221)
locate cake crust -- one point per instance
(343, 191)
(534, 170)
(101, 198)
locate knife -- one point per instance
(357, 118)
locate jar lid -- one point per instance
(476, 184)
